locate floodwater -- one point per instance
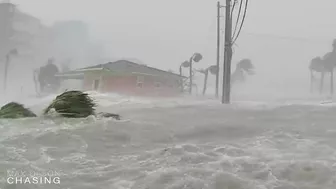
(176, 144)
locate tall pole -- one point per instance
(228, 55)
(218, 46)
(190, 75)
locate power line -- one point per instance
(240, 8)
(233, 7)
(290, 38)
(241, 26)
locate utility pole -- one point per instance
(190, 76)
(218, 46)
(227, 55)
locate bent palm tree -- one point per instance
(14, 110)
(243, 67)
(324, 65)
(316, 65)
(70, 104)
(212, 70)
(76, 104)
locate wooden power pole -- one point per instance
(218, 46)
(227, 55)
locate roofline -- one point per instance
(88, 69)
(178, 75)
(102, 67)
(68, 74)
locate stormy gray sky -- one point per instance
(280, 36)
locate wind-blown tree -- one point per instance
(14, 110)
(73, 104)
(70, 104)
(45, 77)
(323, 65)
(316, 65)
(196, 57)
(243, 67)
(213, 70)
(76, 104)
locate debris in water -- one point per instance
(14, 110)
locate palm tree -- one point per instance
(196, 57)
(316, 65)
(243, 67)
(322, 65)
(213, 70)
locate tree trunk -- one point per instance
(35, 75)
(321, 82)
(332, 81)
(181, 80)
(311, 81)
(205, 81)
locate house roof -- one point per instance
(127, 66)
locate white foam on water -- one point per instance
(181, 142)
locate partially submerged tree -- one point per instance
(14, 110)
(75, 104)
(70, 104)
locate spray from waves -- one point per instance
(116, 102)
(210, 148)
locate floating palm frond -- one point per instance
(73, 104)
(14, 110)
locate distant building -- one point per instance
(126, 77)
(71, 39)
(17, 29)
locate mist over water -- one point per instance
(178, 143)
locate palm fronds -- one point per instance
(73, 104)
(14, 110)
(108, 115)
(70, 104)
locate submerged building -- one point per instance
(125, 77)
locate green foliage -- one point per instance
(14, 110)
(73, 104)
(70, 104)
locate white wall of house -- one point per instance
(72, 84)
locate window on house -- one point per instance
(140, 81)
